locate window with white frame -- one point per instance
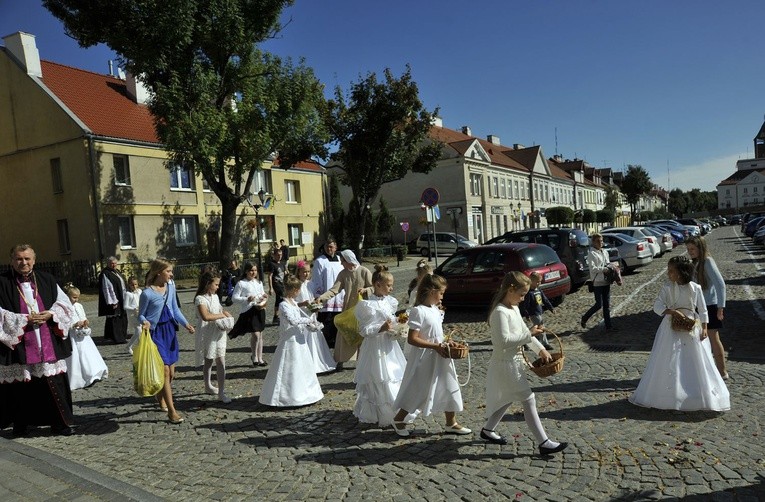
(495, 187)
(547, 193)
(181, 177)
(475, 184)
(292, 191)
(63, 237)
(185, 228)
(295, 233)
(55, 173)
(126, 231)
(121, 170)
(517, 192)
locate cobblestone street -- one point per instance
(125, 448)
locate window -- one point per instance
(126, 231)
(502, 188)
(292, 191)
(517, 193)
(295, 233)
(63, 236)
(547, 193)
(55, 173)
(121, 170)
(495, 187)
(185, 230)
(475, 184)
(181, 178)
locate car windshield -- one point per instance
(538, 256)
(582, 239)
(456, 265)
(624, 237)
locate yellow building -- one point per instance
(85, 177)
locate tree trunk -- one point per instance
(229, 205)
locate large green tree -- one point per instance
(636, 183)
(380, 130)
(221, 106)
(677, 203)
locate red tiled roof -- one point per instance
(101, 102)
(460, 142)
(306, 165)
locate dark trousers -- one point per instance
(115, 328)
(278, 297)
(329, 330)
(602, 296)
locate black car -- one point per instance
(571, 245)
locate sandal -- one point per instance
(175, 421)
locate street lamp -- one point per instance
(256, 207)
(520, 222)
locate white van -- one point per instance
(446, 242)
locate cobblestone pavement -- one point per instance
(125, 448)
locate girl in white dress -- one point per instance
(85, 366)
(506, 377)
(430, 380)
(251, 297)
(322, 357)
(381, 363)
(681, 372)
(210, 337)
(132, 296)
(291, 379)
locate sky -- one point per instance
(674, 86)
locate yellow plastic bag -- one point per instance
(148, 367)
(348, 326)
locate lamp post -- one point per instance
(520, 220)
(256, 207)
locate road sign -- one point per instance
(405, 226)
(430, 197)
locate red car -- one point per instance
(474, 275)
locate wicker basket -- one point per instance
(683, 323)
(457, 350)
(546, 369)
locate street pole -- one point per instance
(257, 238)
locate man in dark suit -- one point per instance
(111, 301)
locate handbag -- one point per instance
(348, 326)
(148, 367)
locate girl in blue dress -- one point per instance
(159, 312)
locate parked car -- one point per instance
(633, 253)
(735, 219)
(759, 236)
(569, 243)
(639, 233)
(694, 230)
(753, 224)
(694, 222)
(678, 237)
(674, 224)
(475, 274)
(664, 238)
(446, 243)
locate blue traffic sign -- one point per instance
(430, 197)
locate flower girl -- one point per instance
(430, 380)
(322, 357)
(681, 373)
(132, 297)
(214, 322)
(85, 366)
(381, 363)
(291, 379)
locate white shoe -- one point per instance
(224, 398)
(401, 432)
(457, 429)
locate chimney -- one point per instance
(111, 68)
(23, 48)
(136, 90)
(437, 121)
(494, 140)
(518, 146)
(466, 131)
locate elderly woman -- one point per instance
(355, 280)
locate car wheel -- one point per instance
(623, 266)
(557, 300)
(424, 252)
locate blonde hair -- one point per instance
(70, 289)
(291, 284)
(699, 262)
(512, 280)
(428, 284)
(156, 267)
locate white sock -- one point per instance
(493, 421)
(549, 443)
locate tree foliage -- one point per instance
(380, 130)
(559, 215)
(611, 201)
(636, 183)
(588, 216)
(220, 106)
(605, 216)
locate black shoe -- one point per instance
(549, 451)
(499, 440)
(339, 367)
(583, 323)
(62, 431)
(263, 364)
(20, 430)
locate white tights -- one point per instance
(220, 373)
(529, 414)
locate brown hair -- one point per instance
(512, 280)
(205, 280)
(381, 273)
(428, 284)
(700, 262)
(155, 268)
(291, 283)
(684, 268)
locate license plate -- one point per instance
(555, 274)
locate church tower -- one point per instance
(759, 143)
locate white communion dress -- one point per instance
(681, 373)
(85, 366)
(381, 363)
(291, 379)
(323, 360)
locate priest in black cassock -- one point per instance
(111, 302)
(34, 388)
